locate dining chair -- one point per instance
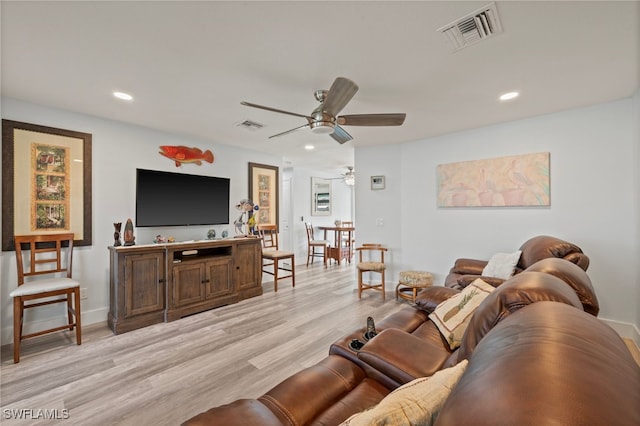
(273, 258)
(46, 255)
(348, 238)
(313, 244)
(371, 259)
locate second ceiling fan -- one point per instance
(325, 119)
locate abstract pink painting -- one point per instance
(520, 180)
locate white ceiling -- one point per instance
(189, 64)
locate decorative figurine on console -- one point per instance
(159, 239)
(245, 223)
(116, 234)
(129, 238)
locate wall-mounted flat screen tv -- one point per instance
(177, 199)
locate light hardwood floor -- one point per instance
(166, 373)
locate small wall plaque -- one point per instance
(377, 182)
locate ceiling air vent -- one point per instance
(251, 125)
(477, 26)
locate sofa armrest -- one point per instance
(402, 356)
(465, 266)
(430, 297)
(465, 280)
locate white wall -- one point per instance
(379, 211)
(594, 198)
(118, 149)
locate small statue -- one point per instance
(129, 238)
(116, 234)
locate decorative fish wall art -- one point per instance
(183, 154)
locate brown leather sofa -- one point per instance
(535, 357)
(465, 271)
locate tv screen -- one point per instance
(172, 199)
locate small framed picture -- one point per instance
(377, 182)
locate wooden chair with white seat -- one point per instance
(46, 256)
(272, 256)
(371, 259)
(313, 244)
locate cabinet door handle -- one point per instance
(205, 281)
(160, 281)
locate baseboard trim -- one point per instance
(626, 330)
(88, 317)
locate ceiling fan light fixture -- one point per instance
(350, 180)
(322, 127)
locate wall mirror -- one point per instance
(320, 197)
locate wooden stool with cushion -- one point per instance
(373, 262)
(410, 282)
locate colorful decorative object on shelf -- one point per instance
(183, 154)
(159, 239)
(116, 234)
(211, 234)
(129, 238)
(246, 222)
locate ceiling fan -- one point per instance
(349, 177)
(324, 118)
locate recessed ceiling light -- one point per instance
(309, 147)
(123, 96)
(509, 96)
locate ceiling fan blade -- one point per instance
(340, 93)
(249, 104)
(340, 135)
(290, 131)
(372, 119)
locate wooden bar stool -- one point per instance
(272, 256)
(371, 262)
(313, 244)
(46, 256)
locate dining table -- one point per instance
(341, 248)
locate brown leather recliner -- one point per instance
(409, 345)
(547, 363)
(465, 271)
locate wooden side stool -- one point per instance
(410, 282)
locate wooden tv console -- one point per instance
(156, 283)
